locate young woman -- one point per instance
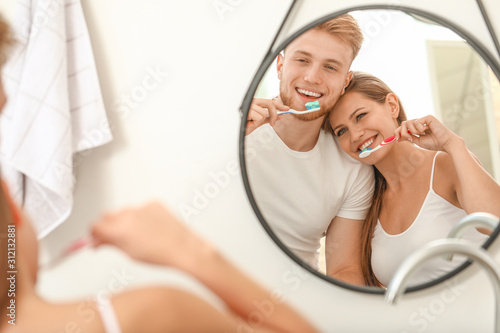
(425, 183)
(148, 233)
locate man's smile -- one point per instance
(308, 95)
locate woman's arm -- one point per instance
(165, 310)
(153, 234)
(476, 190)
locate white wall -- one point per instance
(173, 143)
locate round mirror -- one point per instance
(310, 195)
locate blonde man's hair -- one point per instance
(346, 28)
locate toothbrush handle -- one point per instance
(375, 149)
(367, 153)
(298, 112)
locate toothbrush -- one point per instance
(73, 247)
(367, 151)
(311, 107)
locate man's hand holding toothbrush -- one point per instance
(263, 111)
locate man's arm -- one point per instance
(343, 250)
(343, 237)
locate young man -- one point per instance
(304, 185)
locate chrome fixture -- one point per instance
(478, 220)
(438, 248)
(474, 220)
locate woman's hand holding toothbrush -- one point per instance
(429, 133)
(151, 233)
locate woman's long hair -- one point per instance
(375, 89)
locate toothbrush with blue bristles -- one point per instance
(310, 106)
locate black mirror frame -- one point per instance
(267, 61)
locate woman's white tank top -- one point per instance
(435, 219)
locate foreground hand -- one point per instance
(427, 132)
(151, 234)
(263, 111)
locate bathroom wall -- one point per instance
(178, 143)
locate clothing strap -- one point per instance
(432, 170)
(108, 315)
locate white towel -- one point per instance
(55, 108)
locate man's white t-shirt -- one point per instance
(299, 193)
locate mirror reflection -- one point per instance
(376, 74)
